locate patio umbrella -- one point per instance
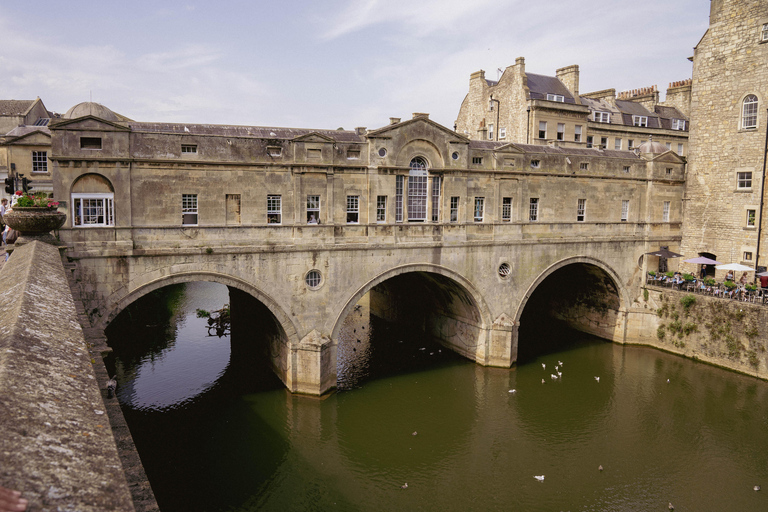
(702, 260)
(735, 267)
(665, 253)
(762, 274)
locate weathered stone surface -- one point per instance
(56, 445)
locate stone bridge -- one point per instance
(453, 235)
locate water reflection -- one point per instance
(664, 429)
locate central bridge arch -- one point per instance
(457, 314)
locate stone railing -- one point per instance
(56, 444)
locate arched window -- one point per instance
(749, 112)
(93, 202)
(417, 190)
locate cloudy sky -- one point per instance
(327, 64)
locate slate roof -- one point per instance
(541, 85)
(258, 132)
(554, 150)
(15, 107)
(20, 131)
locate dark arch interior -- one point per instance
(404, 324)
(562, 305)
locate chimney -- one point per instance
(569, 75)
(361, 130)
(394, 120)
(417, 115)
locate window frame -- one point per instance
(624, 210)
(577, 133)
(617, 143)
(108, 209)
(418, 190)
(454, 212)
(399, 187)
(435, 198)
(190, 206)
(560, 135)
(751, 217)
(89, 143)
(274, 209)
(353, 209)
(665, 211)
(764, 33)
(313, 208)
(581, 210)
(506, 209)
(39, 159)
(533, 209)
(749, 108)
(479, 209)
(640, 121)
(502, 133)
(542, 129)
(678, 124)
(556, 97)
(189, 149)
(600, 116)
(744, 180)
(381, 209)
(490, 131)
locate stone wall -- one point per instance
(56, 445)
(729, 64)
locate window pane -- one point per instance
(454, 209)
(533, 212)
(479, 208)
(353, 209)
(274, 209)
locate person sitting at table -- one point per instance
(729, 276)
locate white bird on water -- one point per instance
(597, 379)
(554, 377)
(543, 365)
(540, 478)
(560, 363)
(513, 391)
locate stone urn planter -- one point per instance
(35, 222)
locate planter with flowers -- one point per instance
(35, 216)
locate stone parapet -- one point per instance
(56, 445)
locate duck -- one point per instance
(111, 386)
(600, 467)
(756, 488)
(404, 486)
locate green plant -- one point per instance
(209, 250)
(750, 287)
(645, 294)
(688, 301)
(709, 281)
(730, 285)
(661, 332)
(38, 200)
(669, 274)
(652, 273)
(688, 277)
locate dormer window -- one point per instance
(601, 117)
(640, 121)
(555, 97)
(678, 124)
(189, 149)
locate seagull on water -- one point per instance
(544, 366)
(512, 390)
(404, 486)
(540, 478)
(597, 379)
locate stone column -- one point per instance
(502, 342)
(313, 365)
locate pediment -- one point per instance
(668, 157)
(88, 123)
(34, 137)
(313, 137)
(423, 125)
(510, 148)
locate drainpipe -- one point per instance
(528, 130)
(498, 107)
(762, 199)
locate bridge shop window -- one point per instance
(624, 210)
(90, 142)
(381, 208)
(454, 209)
(313, 209)
(590, 138)
(749, 112)
(506, 209)
(417, 190)
(479, 209)
(189, 149)
(39, 161)
(581, 210)
(274, 209)
(189, 209)
(533, 209)
(93, 210)
(353, 209)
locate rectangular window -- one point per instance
(603, 142)
(630, 144)
(627, 168)
(313, 209)
(454, 209)
(399, 180)
(640, 121)
(556, 97)
(353, 209)
(533, 209)
(274, 209)
(436, 199)
(669, 145)
(577, 133)
(506, 209)
(274, 151)
(678, 124)
(479, 207)
(680, 149)
(353, 154)
(581, 210)
(764, 32)
(747, 255)
(189, 209)
(39, 161)
(314, 154)
(601, 117)
(535, 164)
(560, 131)
(93, 210)
(665, 212)
(589, 141)
(189, 149)
(584, 166)
(617, 144)
(233, 208)
(743, 180)
(490, 132)
(417, 196)
(751, 218)
(477, 160)
(502, 133)
(542, 129)
(90, 142)
(381, 208)
(624, 210)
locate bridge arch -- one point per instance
(461, 296)
(120, 299)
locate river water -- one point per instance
(215, 435)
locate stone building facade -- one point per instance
(528, 108)
(25, 143)
(724, 201)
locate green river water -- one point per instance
(215, 435)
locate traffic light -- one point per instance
(9, 186)
(26, 185)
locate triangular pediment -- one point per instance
(313, 137)
(510, 148)
(34, 137)
(87, 123)
(669, 157)
(436, 128)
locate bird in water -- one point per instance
(543, 365)
(600, 467)
(111, 386)
(414, 433)
(404, 486)
(512, 390)
(540, 478)
(542, 381)
(757, 487)
(560, 363)
(597, 379)
(671, 506)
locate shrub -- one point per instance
(688, 301)
(688, 277)
(661, 332)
